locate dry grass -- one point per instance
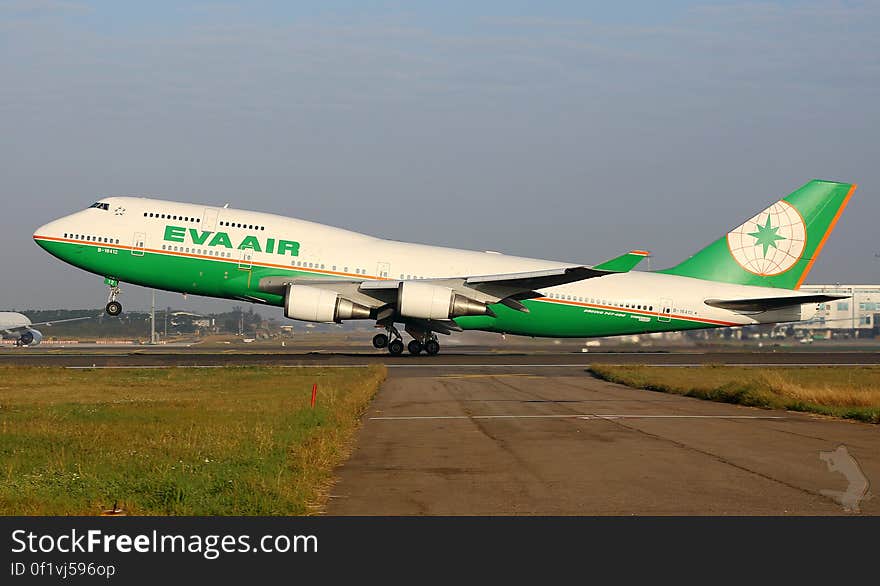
(225, 441)
(850, 392)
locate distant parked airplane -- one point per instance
(318, 273)
(16, 324)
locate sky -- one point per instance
(571, 130)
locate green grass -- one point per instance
(220, 441)
(840, 391)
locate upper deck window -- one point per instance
(100, 206)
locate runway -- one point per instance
(515, 433)
(473, 359)
(563, 443)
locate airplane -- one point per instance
(320, 273)
(16, 324)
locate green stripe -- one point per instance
(224, 279)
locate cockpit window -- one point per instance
(100, 206)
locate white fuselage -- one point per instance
(325, 251)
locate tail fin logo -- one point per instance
(771, 242)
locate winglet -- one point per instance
(625, 262)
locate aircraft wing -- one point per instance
(625, 262)
(60, 321)
(23, 327)
(14, 329)
(507, 288)
(770, 303)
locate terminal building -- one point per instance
(858, 316)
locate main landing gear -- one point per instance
(113, 307)
(430, 346)
(392, 340)
(422, 342)
(395, 346)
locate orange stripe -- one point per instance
(638, 311)
(816, 252)
(214, 258)
(307, 270)
(640, 252)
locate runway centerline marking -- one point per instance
(584, 416)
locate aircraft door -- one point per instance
(138, 244)
(665, 310)
(209, 219)
(383, 270)
(245, 261)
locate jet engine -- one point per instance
(427, 301)
(30, 338)
(320, 305)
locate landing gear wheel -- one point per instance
(414, 347)
(114, 308)
(380, 341)
(432, 347)
(395, 347)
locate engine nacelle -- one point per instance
(320, 305)
(30, 338)
(427, 301)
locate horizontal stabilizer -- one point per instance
(770, 303)
(625, 262)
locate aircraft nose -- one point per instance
(46, 232)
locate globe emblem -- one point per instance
(771, 242)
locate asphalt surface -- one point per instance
(452, 359)
(532, 442)
(472, 432)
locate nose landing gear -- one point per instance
(113, 307)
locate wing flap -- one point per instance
(532, 280)
(487, 288)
